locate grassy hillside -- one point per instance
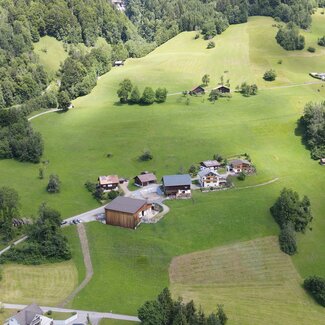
(255, 281)
(51, 53)
(133, 266)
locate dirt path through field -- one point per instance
(87, 260)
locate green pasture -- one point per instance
(132, 266)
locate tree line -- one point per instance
(18, 140)
(166, 311)
(158, 21)
(129, 94)
(312, 124)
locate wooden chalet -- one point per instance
(178, 186)
(145, 179)
(197, 91)
(239, 165)
(223, 89)
(108, 183)
(210, 164)
(209, 178)
(126, 212)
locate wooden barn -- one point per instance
(145, 179)
(178, 186)
(197, 91)
(223, 89)
(108, 183)
(126, 212)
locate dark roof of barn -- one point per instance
(125, 204)
(177, 180)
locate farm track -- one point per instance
(87, 260)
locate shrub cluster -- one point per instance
(248, 90)
(45, 242)
(291, 214)
(98, 193)
(289, 38)
(321, 41)
(315, 285)
(131, 95)
(269, 75)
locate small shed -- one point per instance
(322, 161)
(108, 183)
(126, 212)
(118, 63)
(223, 89)
(210, 164)
(145, 179)
(178, 186)
(199, 90)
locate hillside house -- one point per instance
(118, 63)
(119, 4)
(145, 179)
(197, 91)
(223, 89)
(210, 164)
(108, 183)
(126, 212)
(178, 186)
(30, 315)
(239, 165)
(209, 178)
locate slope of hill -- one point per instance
(256, 282)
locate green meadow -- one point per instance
(132, 266)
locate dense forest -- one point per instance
(159, 20)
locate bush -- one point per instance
(269, 75)
(242, 176)
(248, 90)
(91, 187)
(148, 96)
(316, 287)
(321, 41)
(287, 240)
(146, 156)
(197, 36)
(311, 49)
(211, 45)
(112, 195)
(161, 95)
(54, 184)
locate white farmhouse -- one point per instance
(210, 178)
